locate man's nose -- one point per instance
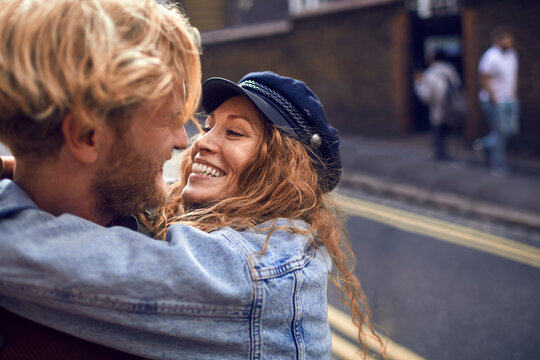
(180, 138)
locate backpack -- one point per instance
(455, 107)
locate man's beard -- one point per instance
(129, 184)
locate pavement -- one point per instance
(404, 168)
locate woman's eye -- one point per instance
(206, 128)
(234, 133)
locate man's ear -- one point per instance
(81, 140)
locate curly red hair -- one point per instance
(280, 181)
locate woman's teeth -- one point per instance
(205, 170)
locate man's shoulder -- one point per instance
(490, 57)
(20, 214)
(490, 54)
(494, 53)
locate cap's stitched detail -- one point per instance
(279, 99)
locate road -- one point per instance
(442, 286)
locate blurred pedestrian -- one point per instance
(432, 87)
(498, 69)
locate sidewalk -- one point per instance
(403, 167)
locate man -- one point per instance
(432, 86)
(498, 70)
(93, 98)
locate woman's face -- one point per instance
(232, 135)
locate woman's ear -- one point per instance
(81, 140)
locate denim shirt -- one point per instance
(196, 295)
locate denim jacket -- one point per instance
(196, 295)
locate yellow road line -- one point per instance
(441, 230)
(345, 350)
(343, 323)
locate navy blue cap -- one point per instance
(294, 109)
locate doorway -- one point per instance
(428, 36)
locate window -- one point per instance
(297, 6)
(433, 8)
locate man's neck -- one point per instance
(58, 188)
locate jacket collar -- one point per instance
(13, 199)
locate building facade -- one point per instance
(359, 55)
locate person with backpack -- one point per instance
(439, 88)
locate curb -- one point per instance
(453, 201)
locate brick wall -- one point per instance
(351, 59)
(359, 62)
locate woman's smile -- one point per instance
(206, 170)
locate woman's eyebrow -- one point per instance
(235, 116)
(245, 119)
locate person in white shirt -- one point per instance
(498, 69)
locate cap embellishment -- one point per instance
(316, 141)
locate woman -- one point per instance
(259, 176)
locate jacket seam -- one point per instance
(128, 305)
(255, 322)
(271, 272)
(297, 317)
(256, 301)
(284, 269)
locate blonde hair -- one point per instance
(279, 182)
(100, 60)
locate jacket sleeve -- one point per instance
(91, 281)
(72, 254)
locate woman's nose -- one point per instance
(206, 142)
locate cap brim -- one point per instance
(215, 91)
